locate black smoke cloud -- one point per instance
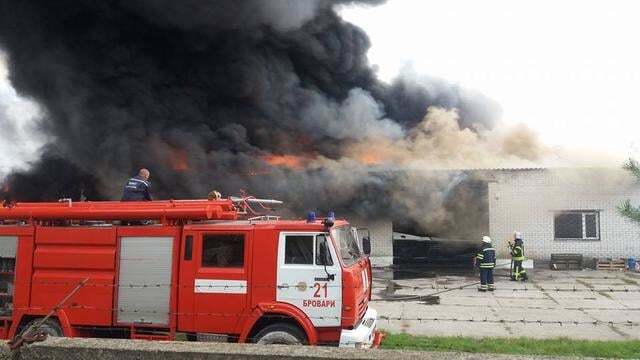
(53, 177)
(202, 92)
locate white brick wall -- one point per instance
(525, 200)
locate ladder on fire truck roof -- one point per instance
(162, 210)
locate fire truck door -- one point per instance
(217, 272)
(309, 280)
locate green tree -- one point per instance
(626, 209)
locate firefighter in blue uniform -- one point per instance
(137, 188)
(486, 261)
(517, 257)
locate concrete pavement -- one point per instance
(587, 304)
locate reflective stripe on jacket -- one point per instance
(517, 253)
(486, 258)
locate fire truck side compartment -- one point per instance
(145, 261)
(63, 256)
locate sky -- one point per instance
(570, 70)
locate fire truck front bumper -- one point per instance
(365, 335)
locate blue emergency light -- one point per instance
(331, 218)
(311, 217)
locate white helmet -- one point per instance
(517, 235)
(486, 239)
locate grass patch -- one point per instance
(521, 346)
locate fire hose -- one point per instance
(32, 333)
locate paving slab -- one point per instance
(528, 294)
(615, 316)
(560, 296)
(467, 300)
(596, 303)
(507, 302)
(629, 332)
(625, 296)
(565, 285)
(454, 312)
(606, 281)
(560, 315)
(629, 304)
(446, 328)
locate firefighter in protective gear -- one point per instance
(137, 188)
(486, 261)
(517, 257)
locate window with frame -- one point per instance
(298, 249)
(303, 249)
(322, 248)
(223, 250)
(577, 225)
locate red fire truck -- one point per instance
(197, 267)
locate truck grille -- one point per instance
(362, 308)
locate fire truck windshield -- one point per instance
(349, 249)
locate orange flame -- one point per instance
(384, 152)
(288, 161)
(178, 160)
(370, 158)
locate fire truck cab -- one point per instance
(197, 270)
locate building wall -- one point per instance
(526, 201)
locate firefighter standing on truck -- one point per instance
(486, 261)
(137, 188)
(517, 257)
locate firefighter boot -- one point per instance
(517, 276)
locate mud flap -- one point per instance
(377, 339)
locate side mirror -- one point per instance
(364, 239)
(366, 246)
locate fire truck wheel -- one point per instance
(282, 334)
(49, 327)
